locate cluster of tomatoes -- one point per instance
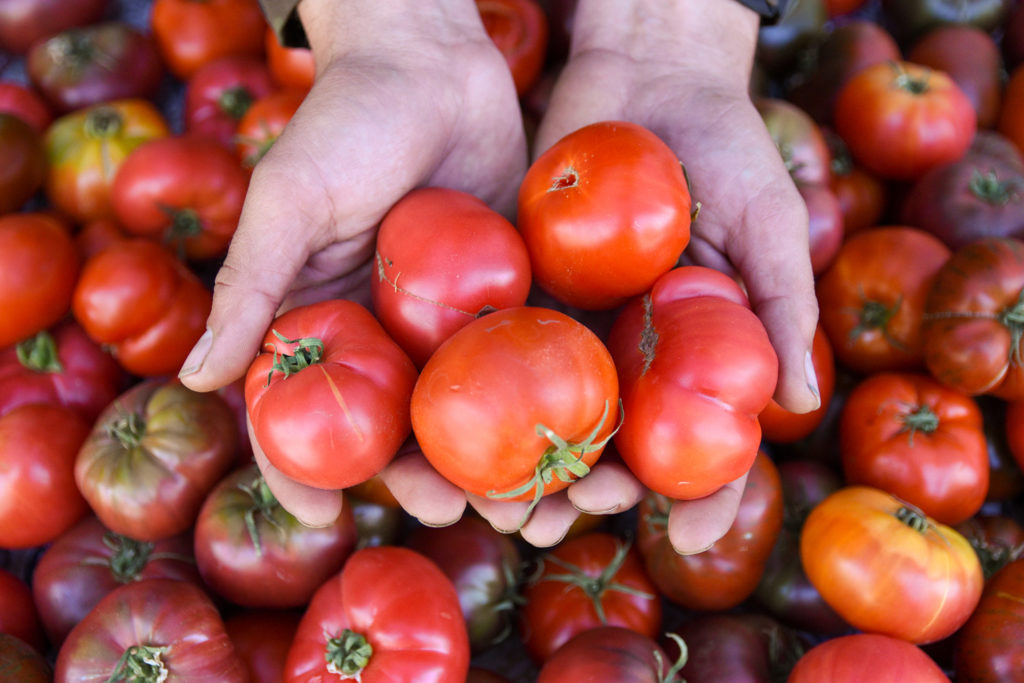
(878, 537)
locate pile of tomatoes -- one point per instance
(878, 538)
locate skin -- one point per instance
(434, 104)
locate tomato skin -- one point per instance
(901, 119)
(825, 225)
(799, 140)
(40, 268)
(175, 616)
(863, 560)
(290, 67)
(476, 419)
(604, 212)
(291, 560)
(190, 34)
(38, 497)
(219, 94)
(26, 105)
(21, 662)
(340, 420)
(988, 647)
(95, 236)
(849, 657)
(779, 425)
(1011, 120)
(912, 18)
(556, 610)
(686, 348)
(153, 456)
(23, 22)
(519, 29)
(18, 615)
(443, 258)
(606, 653)
(88, 561)
(402, 604)
(263, 123)
(185, 191)
(24, 166)
(262, 639)
(998, 540)
(909, 435)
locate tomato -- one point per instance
(23, 22)
(873, 296)
(190, 34)
(1011, 120)
(40, 267)
(901, 119)
(22, 663)
(153, 456)
(24, 166)
(592, 580)
(95, 236)
(910, 436)
(389, 615)
(63, 367)
(81, 67)
(374, 490)
(516, 404)
(608, 653)
(519, 29)
(186, 191)
(328, 395)
(748, 647)
(726, 574)
(38, 497)
(780, 44)
(483, 565)
(998, 540)
(604, 212)
(973, 319)
(376, 524)
(799, 140)
(262, 639)
(88, 561)
(253, 552)
(779, 425)
(136, 298)
(867, 551)
(444, 258)
(988, 647)
(825, 224)
(234, 395)
(25, 104)
(18, 616)
(219, 94)
(912, 18)
(852, 657)
(1006, 480)
(263, 122)
(861, 196)
(87, 147)
(157, 629)
(696, 368)
(290, 67)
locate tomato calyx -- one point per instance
(875, 315)
(922, 419)
(103, 122)
(309, 351)
(39, 353)
(994, 556)
(348, 654)
(988, 188)
(913, 517)
(511, 599)
(74, 49)
(128, 429)
(569, 178)
(264, 503)
(1012, 318)
(141, 664)
(235, 101)
(914, 85)
(185, 223)
(672, 674)
(129, 557)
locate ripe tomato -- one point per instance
(18, 616)
(328, 395)
(696, 368)
(253, 552)
(873, 296)
(22, 663)
(23, 22)
(263, 122)
(910, 436)
(861, 196)
(186, 191)
(734, 647)
(219, 93)
(38, 497)
(589, 581)
(88, 561)
(608, 653)
(988, 647)
(901, 119)
(290, 67)
(604, 212)
(26, 105)
(974, 319)
(444, 258)
(998, 540)
(157, 629)
(153, 456)
(799, 140)
(24, 166)
(727, 574)
(779, 425)
(262, 639)
(852, 657)
(86, 148)
(866, 551)
(190, 34)
(1011, 115)
(912, 18)
(389, 615)
(40, 267)
(145, 305)
(519, 29)
(96, 235)
(516, 404)
(825, 224)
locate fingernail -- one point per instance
(812, 379)
(436, 525)
(607, 511)
(197, 355)
(696, 552)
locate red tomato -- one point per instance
(234, 395)
(799, 140)
(263, 122)
(40, 267)
(988, 647)
(23, 22)
(912, 437)
(389, 615)
(22, 663)
(852, 657)
(519, 29)
(18, 616)
(901, 119)
(589, 581)
(1011, 115)
(219, 93)
(253, 552)
(25, 104)
(290, 67)
(186, 191)
(191, 34)
(696, 368)
(24, 166)
(604, 212)
(157, 629)
(998, 540)
(96, 235)
(861, 196)
(88, 561)
(608, 653)
(328, 395)
(779, 425)
(444, 258)
(136, 298)
(262, 639)
(866, 551)
(516, 404)
(825, 225)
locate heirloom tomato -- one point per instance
(219, 94)
(263, 122)
(825, 224)
(519, 29)
(609, 653)
(861, 196)
(749, 647)
(913, 18)
(779, 425)
(24, 166)
(190, 34)
(95, 236)
(990, 646)
(24, 22)
(18, 615)
(798, 27)
(289, 67)
(866, 656)
(998, 540)
(24, 103)
(21, 662)
(799, 140)
(262, 638)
